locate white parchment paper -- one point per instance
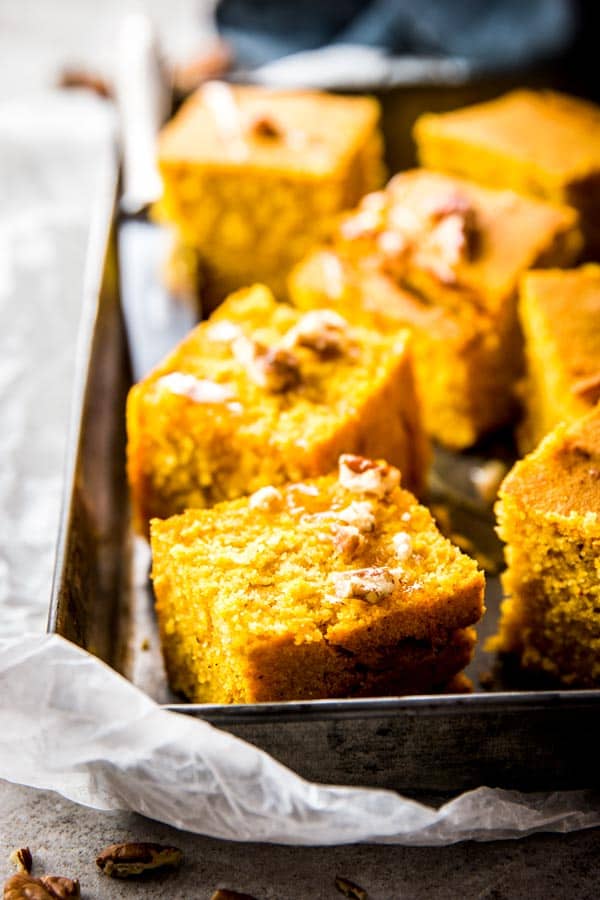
(71, 724)
(67, 722)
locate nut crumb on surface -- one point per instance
(371, 584)
(347, 539)
(265, 126)
(350, 889)
(321, 330)
(274, 368)
(200, 390)
(22, 859)
(403, 546)
(360, 514)
(361, 475)
(267, 499)
(49, 887)
(225, 894)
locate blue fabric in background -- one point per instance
(491, 35)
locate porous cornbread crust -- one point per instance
(560, 316)
(443, 256)
(539, 143)
(251, 177)
(261, 394)
(333, 587)
(549, 515)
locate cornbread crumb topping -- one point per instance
(200, 390)
(267, 499)
(366, 476)
(372, 584)
(321, 330)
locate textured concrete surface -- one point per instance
(65, 839)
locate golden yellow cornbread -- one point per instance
(465, 368)
(333, 587)
(251, 177)
(261, 394)
(549, 515)
(560, 316)
(443, 256)
(539, 143)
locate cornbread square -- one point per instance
(560, 315)
(549, 515)
(465, 364)
(333, 587)
(261, 394)
(535, 142)
(443, 256)
(251, 177)
(456, 242)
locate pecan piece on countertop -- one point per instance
(225, 894)
(132, 859)
(22, 859)
(50, 887)
(350, 889)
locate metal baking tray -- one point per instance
(531, 739)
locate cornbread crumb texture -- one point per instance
(334, 586)
(252, 176)
(560, 315)
(261, 394)
(549, 516)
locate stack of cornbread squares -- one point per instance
(272, 453)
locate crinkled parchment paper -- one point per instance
(67, 722)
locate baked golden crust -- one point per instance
(560, 316)
(549, 516)
(337, 586)
(259, 395)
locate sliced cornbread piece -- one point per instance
(443, 256)
(251, 177)
(549, 516)
(337, 586)
(465, 364)
(261, 394)
(535, 142)
(560, 316)
(456, 242)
